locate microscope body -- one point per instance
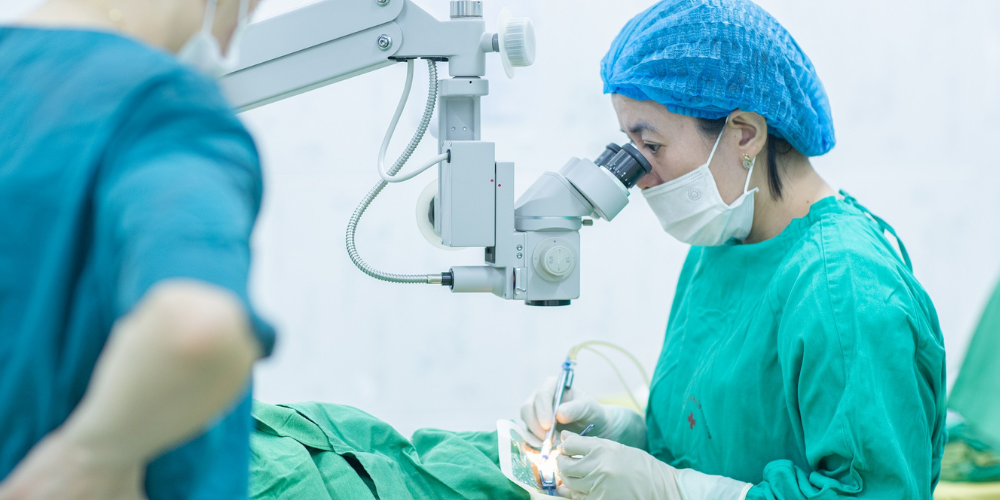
(532, 247)
(531, 254)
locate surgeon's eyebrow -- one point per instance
(641, 127)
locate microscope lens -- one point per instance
(609, 152)
(628, 165)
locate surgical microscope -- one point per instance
(532, 247)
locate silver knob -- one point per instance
(466, 8)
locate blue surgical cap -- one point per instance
(706, 58)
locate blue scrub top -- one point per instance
(119, 167)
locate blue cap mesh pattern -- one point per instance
(706, 58)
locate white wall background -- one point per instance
(915, 90)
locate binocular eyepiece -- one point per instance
(625, 162)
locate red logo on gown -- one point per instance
(691, 420)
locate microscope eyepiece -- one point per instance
(609, 152)
(627, 163)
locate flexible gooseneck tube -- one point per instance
(352, 226)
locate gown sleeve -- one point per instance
(862, 361)
(180, 192)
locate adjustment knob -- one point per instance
(517, 42)
(558, 261)
(554, 259)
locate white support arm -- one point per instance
(333, 40)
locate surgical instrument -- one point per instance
(565, 384)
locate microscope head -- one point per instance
(552, 211)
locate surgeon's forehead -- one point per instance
(636, 117)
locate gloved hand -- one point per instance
(599, 469)
(577, 411)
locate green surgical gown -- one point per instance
(975, 392)
(811, 365)
(316, 451)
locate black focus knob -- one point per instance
(627, 164)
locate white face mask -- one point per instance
(202, 50)
(691, 209)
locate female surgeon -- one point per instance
(802, 358)
(128, 190)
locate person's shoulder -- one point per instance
(103, 67)
(100, 77)
(158, 96)
(845, 289)
(161, 107)
(153, 73)
(843, 264)
(843, 240)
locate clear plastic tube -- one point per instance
(590, 346)
(352, 226)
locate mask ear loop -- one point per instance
(209, 19)
(242, 21)
(716, 146)
(746, 187)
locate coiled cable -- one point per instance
(352, 226)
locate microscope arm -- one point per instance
(333, 40)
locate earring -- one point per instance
(748, 162)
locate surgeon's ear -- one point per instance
(753, 131)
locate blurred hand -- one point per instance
(56, 468)
(577, 411)
(177, 360)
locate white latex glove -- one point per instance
(577, 411)
(599, 469)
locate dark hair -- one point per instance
(775, 147)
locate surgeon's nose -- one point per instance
(649, 180)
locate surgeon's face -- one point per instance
(672, 143)
(675, 145)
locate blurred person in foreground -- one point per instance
(128, 191)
